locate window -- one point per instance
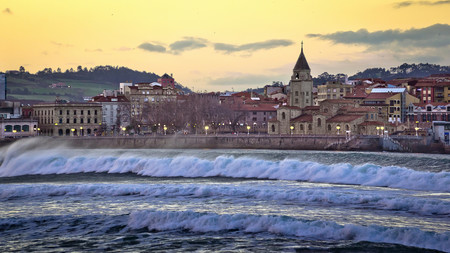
(329, 127)
(89, 121)
(60, 121)
(283, 115)
(296, 100)
(75, 121)
(301, 127)
(81, 120)
(273, 128)
(74, 112)
(95, 120)
(95, 112)
(254, 113)
(89, 112)
(296, 93)
(60, 112)
(319, 122)
(67, 112)
(309, 127)
(67, 121)
(428, 108)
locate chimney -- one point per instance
(171, 75)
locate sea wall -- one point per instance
(287, 142)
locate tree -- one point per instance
(22, 69)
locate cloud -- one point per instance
(250, 47)
(435, 36)
(423, 3)
(192, 43)
(7, 11)
(152, 48)
(188, 43)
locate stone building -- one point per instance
(333, 90)
(301, 84)
(68, 119)
(142, 94)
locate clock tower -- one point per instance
(301, 83)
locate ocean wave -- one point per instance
(30, 158)
(317, 229)
(37, 163)
(318, 195)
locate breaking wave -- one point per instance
(18, 160)
(317, 229)
(379, 200)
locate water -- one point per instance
(59, 199)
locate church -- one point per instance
(331, 117)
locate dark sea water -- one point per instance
(58, 199)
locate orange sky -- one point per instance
(214, 46)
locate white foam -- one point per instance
(321, 230)
(389, 200)
(18, 162)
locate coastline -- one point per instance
(406, 144)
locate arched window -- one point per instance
(273, 128)
(301, 127)
(347, 127)
(8, 128)
(319, 122)
(283, 115)
(60, 132)
(67, 132)
(17, 128)
(309, 127)
(26, 128)
(329, 127)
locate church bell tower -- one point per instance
(301, 83)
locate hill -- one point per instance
(72, 85)
(403, 71)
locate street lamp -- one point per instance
(73, 131)
(382, 130)
(206, 130)
(292, 128)
(248, 130)
(165, 129)
(416, 128)
(81, 131)
(338, 128)
(378, 130)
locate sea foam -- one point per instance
(62, 161)
(287, 226)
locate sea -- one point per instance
(54, 198)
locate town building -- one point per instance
(441, 131)
(167, 81)
(143, 95)
(301, 84)
(68, 119)
(2, 86)
(333, 90)
(116, 111)
(423, 114)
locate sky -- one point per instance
(223, 45)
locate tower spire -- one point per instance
(301, 64)
(302, 45)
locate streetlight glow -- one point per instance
(248, 130)
(338, 128)
(206, 130)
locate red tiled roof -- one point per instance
(272, 120)
(303, 118)
(380, 95)
(338, 101)
(343, 118)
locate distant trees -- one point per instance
(191, 114)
